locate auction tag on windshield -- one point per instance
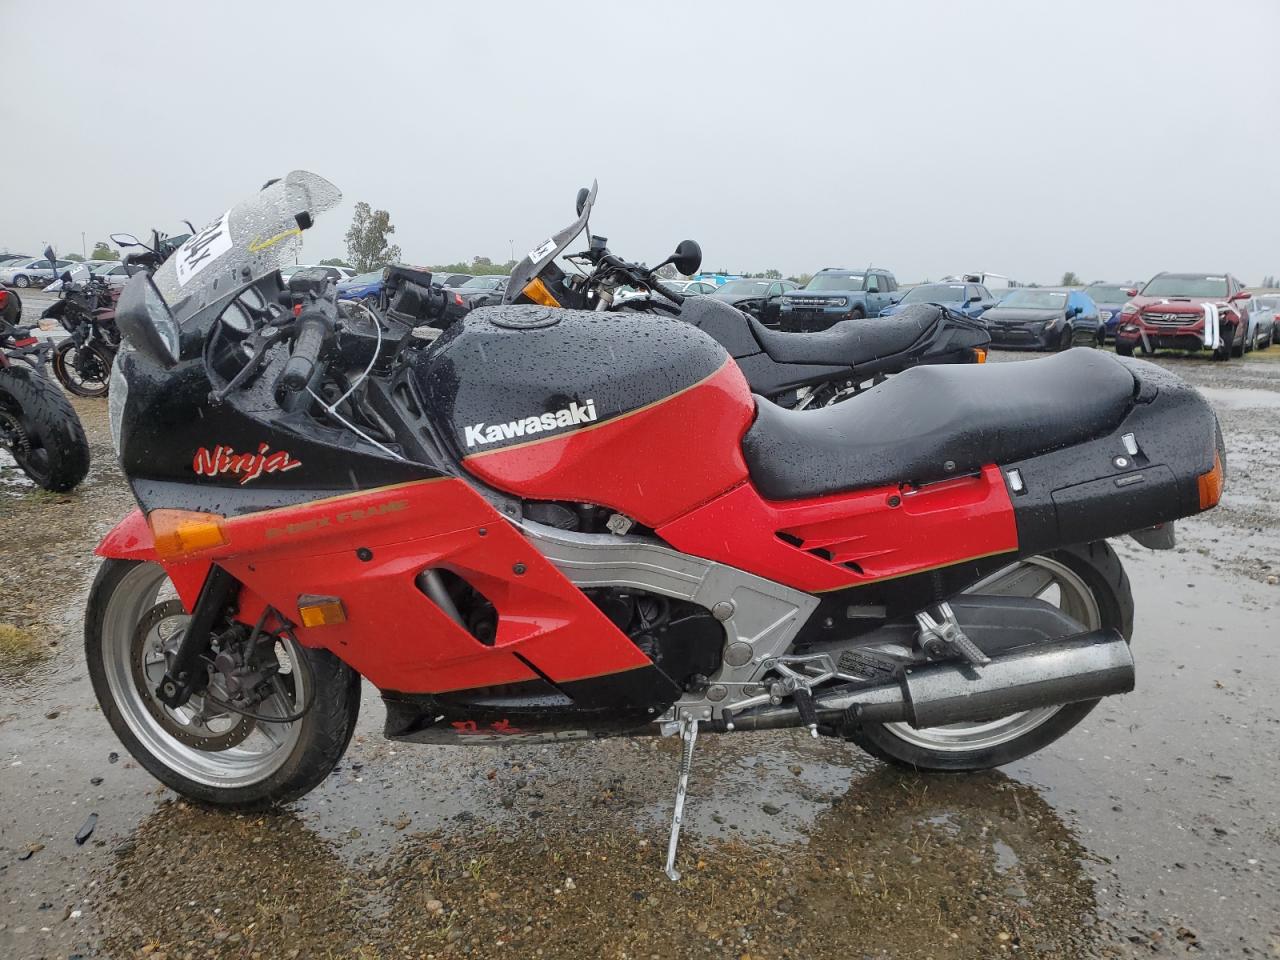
(538, 253)
(202, 249)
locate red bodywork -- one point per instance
(675, 466)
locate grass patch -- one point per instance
(19, 650)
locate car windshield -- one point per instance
(935, 293)
(1186, 285)
(369, 277)
(1035, 300)
(1106, 293)
(745, 288)
(483, 283)
(106, 267)
(835, 281)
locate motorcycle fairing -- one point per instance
(394, 635)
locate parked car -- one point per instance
(1038, 319)
(971, 299)
(1168, 314)
(480, 292)
(450, 280)
(335, 273)
(34, 270)
(1111, 298)
(758, 296)
(361, 287)
(1269, 306)
(112, 271)
(691, 287)
(835, 294)
(7, 259)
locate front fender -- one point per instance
(130, 539)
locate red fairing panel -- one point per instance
(394, 635)
(653, 464)
(849, 539)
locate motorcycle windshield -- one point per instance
(547, 251)
(248, 242)
(79, 274)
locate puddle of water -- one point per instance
(1242, 399)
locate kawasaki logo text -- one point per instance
(570, 416)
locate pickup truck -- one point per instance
(835, 294)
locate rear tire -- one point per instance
(1094, 569)
(53, 450)
(232, 776)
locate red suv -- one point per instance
(1169, 313)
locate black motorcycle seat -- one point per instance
(934, 422)
(851, 343)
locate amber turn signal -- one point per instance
(979, 355)
(176, 533)
(1211, 485)
(320, 611)
(537, 291)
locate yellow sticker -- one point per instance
(256, 245)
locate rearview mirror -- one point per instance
(125, 240)
(581, 202)
(50, 255)
(688, 257)
(66, 276)
(976, 298)
(1131, 293)
(145, 321)
(1241, 295)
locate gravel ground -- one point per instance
(1150, 830)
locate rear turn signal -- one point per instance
(320, 611)
(1211, 485)
(177, 533)
(979, 355)
(537, 291)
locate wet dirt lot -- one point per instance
(1152, 829)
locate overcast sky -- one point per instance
(1110, 138)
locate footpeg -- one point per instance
(943, 637)
(688, 737)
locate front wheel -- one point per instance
(84, 370)
(203, 750)
(21, 282)
(40, 428)
(1089, 585)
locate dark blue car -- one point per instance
(359, 287)
(971, 299)
(1110, 298)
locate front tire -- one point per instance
(84, 370)
(1093, 589)
(21, 282)
(41, 430)
(207, 755)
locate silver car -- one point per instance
(23, 273)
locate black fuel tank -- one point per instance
(509, 374)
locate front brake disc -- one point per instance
(189, 724)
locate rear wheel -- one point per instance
(202, 750)
(1088, 583)
(40, 428)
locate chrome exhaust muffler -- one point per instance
(1083, 667)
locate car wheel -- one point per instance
(1237, 345)
(1064, 341)
(1124, 349)
(21, 281)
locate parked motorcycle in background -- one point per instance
(86, 309)
(38, 425)
(800, 370)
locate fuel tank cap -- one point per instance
(521, 317)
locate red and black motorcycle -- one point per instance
(86, 310)
(552, 524)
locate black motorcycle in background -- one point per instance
(86, 309)
(38, 425)
(802, 371)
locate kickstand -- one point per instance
(688, 737)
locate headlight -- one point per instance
(844, 301)
(1052, 323)
(1128, 310)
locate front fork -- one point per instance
(183, 677)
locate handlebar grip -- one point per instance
(306, 351)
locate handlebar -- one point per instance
(314, 325)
